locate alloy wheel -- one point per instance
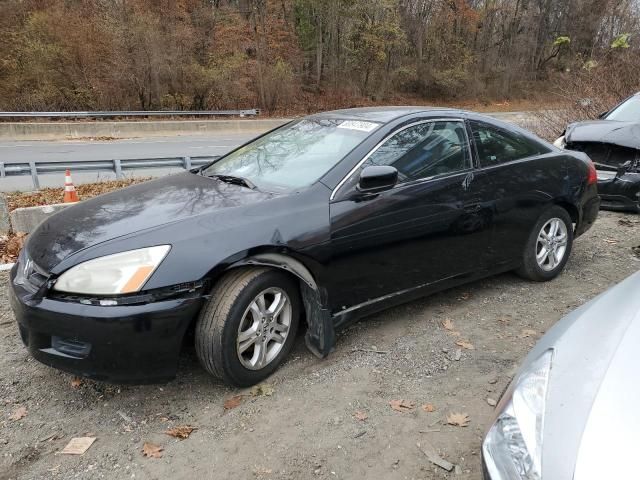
(264, 328)
(551, 245)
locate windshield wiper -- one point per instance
(245, 182)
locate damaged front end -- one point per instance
(616, 154)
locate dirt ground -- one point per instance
(307, 427)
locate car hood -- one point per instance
(624, 134)
(131, 210)
(591, 415)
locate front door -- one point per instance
(414, 234)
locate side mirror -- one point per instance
(377, 179)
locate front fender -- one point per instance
(320, 337)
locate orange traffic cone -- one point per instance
(70, 194)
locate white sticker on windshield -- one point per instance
(358, 125)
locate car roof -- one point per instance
(382, 114)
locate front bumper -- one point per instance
(620, 193)
(118, 344)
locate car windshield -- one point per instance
(628, 111)
(294, 156)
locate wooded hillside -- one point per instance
(300, 55)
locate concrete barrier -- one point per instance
(5, 225)
(28, 218)
(16, 131)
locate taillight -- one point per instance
(592, 176)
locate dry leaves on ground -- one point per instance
(263, 389)
(402, 405)
(180, 432)
(76, 382)
(18, 414)
(10, 246)
(458, 419)
(429, 407)
(78, 445)
(450, 327)
(465, 296)
(152, 450)
(47, 196)
(232, 402)
(465, 344)
(448, 324)
(362, 416)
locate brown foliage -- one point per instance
(294, 55)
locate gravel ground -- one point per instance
(307, 427)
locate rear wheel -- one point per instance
(248, 326)
(548, 247)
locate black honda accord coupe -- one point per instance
(320, 221)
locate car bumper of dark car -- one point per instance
(589, 215)
(620, 193)
(118, 344)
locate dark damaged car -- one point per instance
(321, 221)
(613, 143)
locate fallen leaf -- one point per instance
(458, 419)
(18, 414)
(430, 452)
(402, 405)
(232, 402)
(264, 389)
(428, 407)
(448, 324)
(181, 432)
(362, 416)
(491, 402)
(152, 450)
(76, 382)
(526, 333)
(78, 445)
(465, 344)
(465, 296)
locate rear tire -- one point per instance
(548, 247)
(248, 326)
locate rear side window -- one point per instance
(496, 146)
(425, 150)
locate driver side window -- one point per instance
(425, 150)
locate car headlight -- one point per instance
(125, 272)
(560, 142)
(513, 447)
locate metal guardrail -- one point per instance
(137, 113)
(118, 166)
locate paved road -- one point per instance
(60, 151)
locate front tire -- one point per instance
(548, 247)
(248, 326)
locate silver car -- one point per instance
(572, 411)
